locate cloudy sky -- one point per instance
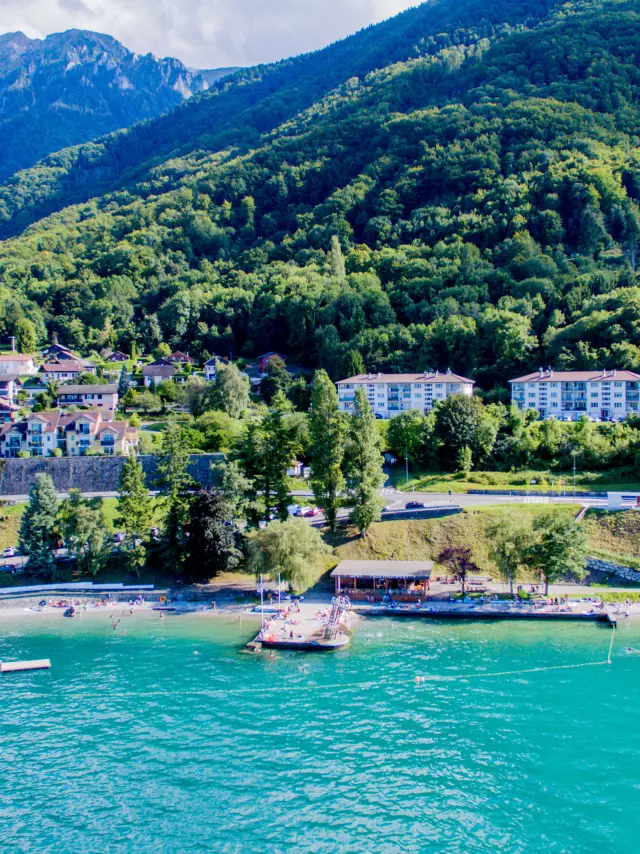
(204, 33)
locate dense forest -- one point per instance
(465, 195)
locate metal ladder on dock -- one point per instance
(333, 626)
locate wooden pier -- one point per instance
(305, 630)
(21, 666)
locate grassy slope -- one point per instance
(612, 481)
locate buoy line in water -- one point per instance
(342, 686)
(456, 676)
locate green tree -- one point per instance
(465, 460)
(237, 490)
(26, 337)
(336, 260)
(175, 489)
(212, 537)
(327, 431)
(363, 465)
(460, 422)
(559, 549)
(83, 527)
(135, 514)
(510, 540)
(162, 351)
(353, 364)
(124, 383)
(276, 379)
(281, 444)
(38, 527)
(292, 549)
(412, 434)
(231, 390)
(459, 563)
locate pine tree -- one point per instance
(280, 448)
(337, 259)
(26, 340)
(354, 364)
(175, 488)
(135, 513)
(38, 525)
(363, 465)
(124, 383)
(211, 546)
(327, 433)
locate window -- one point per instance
(419, 385)
(439, 385)
(594, 394)
(618, 385)
(618, 405)
(554, 385)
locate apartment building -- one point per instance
(74, 434)
(391, 394)
(102, 397)
(570, 395)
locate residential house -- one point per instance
(295, 469)
(391, 394)
(17, 364)
(57, 351)
(179, 358)
(210, 367)
(67, 370)
(153, 375)
(117, 357)
(9, 388)
(8, 411)
(34, 387)
(570, 395)
(101, 397)
(74, 434)
(264, 360)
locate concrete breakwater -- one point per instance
(91, 474)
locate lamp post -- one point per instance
(574, 454)
(406, 463)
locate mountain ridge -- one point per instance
(74, 86)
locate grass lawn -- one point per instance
(614, 536)
(612, 481)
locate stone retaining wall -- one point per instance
(604, 566)
(90, 474)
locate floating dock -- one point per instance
(21, 666)
(308, 628)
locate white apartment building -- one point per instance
(391, 394)
(571, 395)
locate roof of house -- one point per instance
(158, 371)
(383, 569)
(15, 357)
(578, 376)
(178, 356)
(215, 359)
(120, 428)
(270, 353)
(87, 389)
(63, 366)
(424, 377)
(118, 356)
(5, 379)
(7, 406)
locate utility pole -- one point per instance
(406, 463)
(573, 454)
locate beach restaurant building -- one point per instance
(402, 580)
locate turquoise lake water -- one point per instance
(133, 743)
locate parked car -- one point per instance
(415, 505)
(316, 511)
(9, 552)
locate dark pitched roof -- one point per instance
(87, 389)
(158, 371)
(216, 359)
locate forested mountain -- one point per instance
(75, 86)
(466, 196)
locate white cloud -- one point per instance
(205, 33)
